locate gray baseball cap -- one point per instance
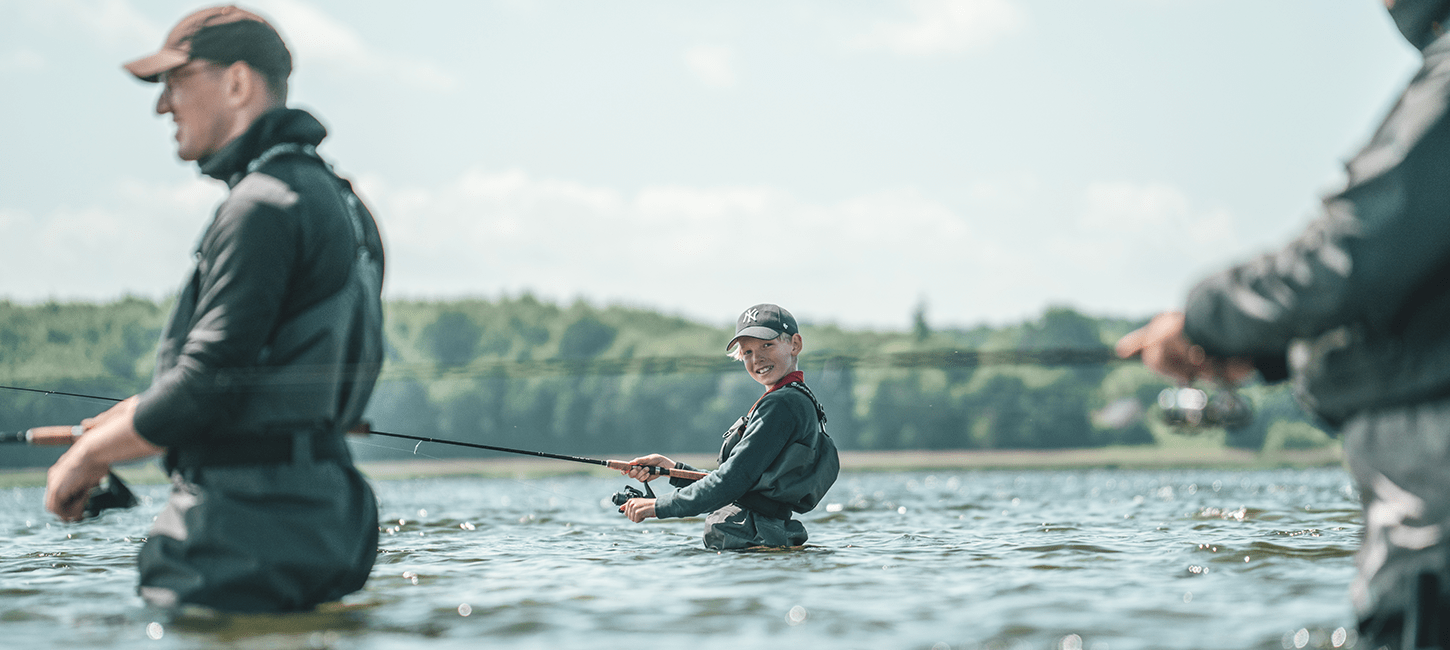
(763, 321)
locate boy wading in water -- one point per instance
(776, 460)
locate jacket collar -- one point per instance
(274, 127)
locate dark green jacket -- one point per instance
(279, 327)
(780, 460)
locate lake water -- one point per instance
(983, 560)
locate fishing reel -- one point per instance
(631, 492)
(1192, 408)
(110, 493)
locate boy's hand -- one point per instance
(643, 475)
(638, 509)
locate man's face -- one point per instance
(769, 361)
(195, 96)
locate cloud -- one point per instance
(714, 66)
(139, 243)
(22, 61)
(1003, 254)
(939, 27)
(704, 251)
(1138, 247)
(320, 39)
(114, 23)
(1126, 210)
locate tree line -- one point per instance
(584, 379)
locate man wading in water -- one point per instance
(777, 459)
(270, 354)
(1357, 311)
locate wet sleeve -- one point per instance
(778, 420)
(1372, 249)
(247, 259)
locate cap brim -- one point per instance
(755, 332)
(150, 68)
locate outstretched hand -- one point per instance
(1165, 350)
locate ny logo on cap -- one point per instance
(753, 315)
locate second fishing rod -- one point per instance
(65, 435)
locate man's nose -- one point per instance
(163, 102)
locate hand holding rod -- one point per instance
(655, 470)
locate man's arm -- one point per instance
(1362, 261)
(249, 256)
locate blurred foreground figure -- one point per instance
(269, 357)
(1357, 312)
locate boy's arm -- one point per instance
(778, 420)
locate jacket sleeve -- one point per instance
(777, 420)
(245, 263)
(1374, 246)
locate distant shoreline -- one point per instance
(1146, 457)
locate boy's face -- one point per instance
(768, 361)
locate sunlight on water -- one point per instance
(1079, 560)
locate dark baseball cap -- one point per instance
(764, 321)
(225, 35)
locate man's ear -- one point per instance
(241, 84)
(796, 344)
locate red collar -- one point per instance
(786, 380)
(795, 376)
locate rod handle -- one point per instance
(56, 435)
(656, 471)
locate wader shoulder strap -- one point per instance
(820, 412)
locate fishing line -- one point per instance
(431, 457)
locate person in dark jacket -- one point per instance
(775, 460)
(270, 354)
(1357, 312)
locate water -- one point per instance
(983, 560)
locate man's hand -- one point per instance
(643, 475)
(638, 509)
(109, 438)
(1168, 352)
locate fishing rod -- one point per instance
(363, 429)
(65, 435)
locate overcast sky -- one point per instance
(846, 159)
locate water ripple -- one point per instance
(1112, 559)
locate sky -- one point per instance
(848, 159)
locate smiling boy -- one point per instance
(775, 460)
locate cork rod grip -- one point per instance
(657, 471)
(57, 435)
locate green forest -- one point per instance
(583, 379)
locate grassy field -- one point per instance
(1143, 457)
